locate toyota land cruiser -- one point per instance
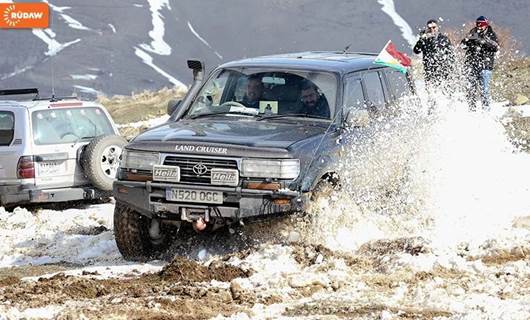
(235, 148)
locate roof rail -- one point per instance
(362, 53)
(54, 98)
(10, 92)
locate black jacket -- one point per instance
(438, 56)
(480, 49)
(320, 110)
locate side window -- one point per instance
(353, 93)
(7, 127)
(399, 84)
(374, 89)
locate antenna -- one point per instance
(52, 58)
(53, 77)
(346, 48)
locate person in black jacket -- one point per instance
(313, 102)
(438, 54)
(480, 44)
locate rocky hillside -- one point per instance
(100, 47)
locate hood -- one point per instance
(261, 134)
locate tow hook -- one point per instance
(199, 218)
(199, 225)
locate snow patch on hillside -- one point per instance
(148, 60)
(158, 45)
(201, 39)
(390, 9)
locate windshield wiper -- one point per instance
(221, 113)
(301, 115)
(81, 138)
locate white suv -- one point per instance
(57, 149)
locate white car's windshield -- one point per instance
(55, 126)
(265, 92)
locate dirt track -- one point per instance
(185, 289)
(252, 273)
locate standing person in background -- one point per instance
(438, 55)
(480, 44)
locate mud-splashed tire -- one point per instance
(131, 231)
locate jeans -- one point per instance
(479, 85)
(485, 78)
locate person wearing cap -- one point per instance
(438, 54)
(480, 45)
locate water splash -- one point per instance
(451, 177)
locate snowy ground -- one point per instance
(452, 243)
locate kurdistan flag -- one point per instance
(390, 57)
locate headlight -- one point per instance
(140, 160)
(260, 168)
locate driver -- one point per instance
(313, 103)
(254, 92)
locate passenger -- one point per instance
(254, 92)
(313, 103)
(438, 54)
(480, 44)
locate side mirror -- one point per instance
(359, 118)
(173, 105)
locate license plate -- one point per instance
(51, 168)
(166, 173)
(191, 195)
(225, 177)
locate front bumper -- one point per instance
(149, 199)
(20, 194)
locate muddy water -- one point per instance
(448, 237)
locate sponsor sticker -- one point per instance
(226, 177)
(166, 173)
(24, 15)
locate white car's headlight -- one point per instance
(261, 168)
(140, 160)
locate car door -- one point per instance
(398, 84)
(374, 94)
(353, 92)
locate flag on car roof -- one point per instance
(391, 57)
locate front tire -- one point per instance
(135, 237)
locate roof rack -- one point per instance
(358, 52)
(54, 98)
(10, 92)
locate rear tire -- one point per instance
(131, 231)
(101, 158)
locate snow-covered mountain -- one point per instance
(121, 46)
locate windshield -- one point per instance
(55, 126)
(264, 92)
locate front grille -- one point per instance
(186, 167)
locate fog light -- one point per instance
(264, 185)
(281, 202)
(123, 190)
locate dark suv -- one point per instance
(255, 139)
